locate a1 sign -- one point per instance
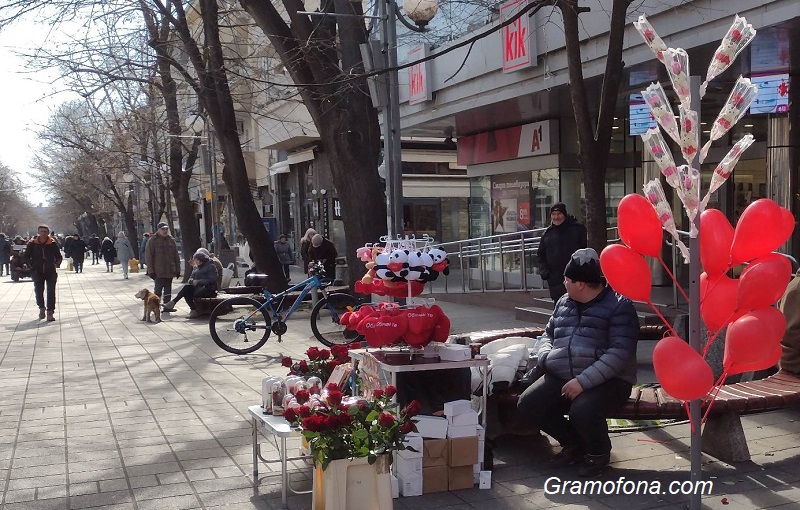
(518, 43)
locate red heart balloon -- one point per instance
(748, 340)
(787, 225)
(717, 301)
(763, 282)
(716, 237)
(759, 231)
(769, 361)
(626, 272)
(639, 226)
(682, 371)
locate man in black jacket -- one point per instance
(562, 238)
(45, 257)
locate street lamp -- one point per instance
(421, 11)
(197, 123)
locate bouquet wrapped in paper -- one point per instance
(690, 133)
(689, 190)
(655, 194)
(655, 143)
(656, 99)
(738, 37)
(735, 107)
(677, 63)
(725, 167)
(650, 36)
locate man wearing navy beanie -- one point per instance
(562, 238)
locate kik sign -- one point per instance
(518, 43)
(419, 87)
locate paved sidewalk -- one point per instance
(101, 410)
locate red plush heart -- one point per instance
(418, 340)
(422, 320)
(442, 330)
(344, 319)
(380, 331)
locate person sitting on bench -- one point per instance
(588, 354)
(201, 283)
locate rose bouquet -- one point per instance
(338, 427)
(320, 363)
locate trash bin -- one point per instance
(341, 271)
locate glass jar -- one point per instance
(314, 385)
(278, 394)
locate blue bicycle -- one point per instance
(242, 324)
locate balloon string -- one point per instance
(683, 292)
(666, 323)
(717, 387)
(716, 334)
(689, 415)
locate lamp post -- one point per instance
(421, 12)
(197, 124)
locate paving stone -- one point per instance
(56, 491)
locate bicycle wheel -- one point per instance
(325, 320)
(238, 326)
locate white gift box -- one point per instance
(481, 433)
(485, 481)
(410, 485)
(412, 440)
(432, 427)
(457, 407)
(408, 467)
(396, 487)
(461, 431)
(455, 352)
(468, 418)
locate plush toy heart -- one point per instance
(344, 319)
(442, 330)
(418, 340)
(380, 331)
(422, 320)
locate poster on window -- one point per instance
(511, 209)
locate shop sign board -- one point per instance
(534, 139)
(517, 42)
(419, 87)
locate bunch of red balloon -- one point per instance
(388, 324)
(745, 305)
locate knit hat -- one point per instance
(584, 266)
(316, 241)
(162, 225)
(560, 207)
(202, 257)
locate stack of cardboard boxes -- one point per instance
(448, 455)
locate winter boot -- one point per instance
(41, 313)
(50, 317)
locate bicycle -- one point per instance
(235, 318)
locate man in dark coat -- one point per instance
(588, 354)
(322, 250)
(45, 257)
(562, 238)
(94, 246)
(163, 261)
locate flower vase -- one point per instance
(353, 484)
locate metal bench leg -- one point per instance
(723, 438)
(255, 450)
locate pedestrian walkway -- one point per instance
(101, 410)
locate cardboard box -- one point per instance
(395, 487)
(409, 467)
(414, 441)
(411, 485)
(459, 477)
(457, 407)
(463, 451)
(434, 479)
(468, 418)
(435, 453)
(485, 480)
(432, 427)
(463, 431)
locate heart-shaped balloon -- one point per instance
(769, 361)
(717, 301)
(763, 282)
(787, 224)
(682, 371)
(749, 339)
(760, 230)
(626, 271)
(716, 237)
(639, 226)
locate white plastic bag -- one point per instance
(227, 274)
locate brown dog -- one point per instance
(152, 304)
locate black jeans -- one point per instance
(286, 271)
(189, 292)
(542, 405)
(163, 288)
(39, 283)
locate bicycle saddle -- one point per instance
(256, 280)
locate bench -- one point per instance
(723, 435)
(205, 306)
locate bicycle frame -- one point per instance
(307, 285)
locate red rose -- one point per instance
(324, 354)
(339, 352)
(303, 366)
(332, 387)
(390, 391)
(408, 427)
(333, 364)
(290, 415)
(377, 393)
(304, 411)
(386, 420)
(335, 397)
(355, 345)
(314, 423)
(287, 362)
(312, 353)
(344, 419)
(412, 409)
(302, 396)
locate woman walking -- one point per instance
(107, 252)
(285, 256)
(124, 252)
(305, 244)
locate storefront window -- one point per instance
(479, 207)
(545, 194)
(511, 202)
